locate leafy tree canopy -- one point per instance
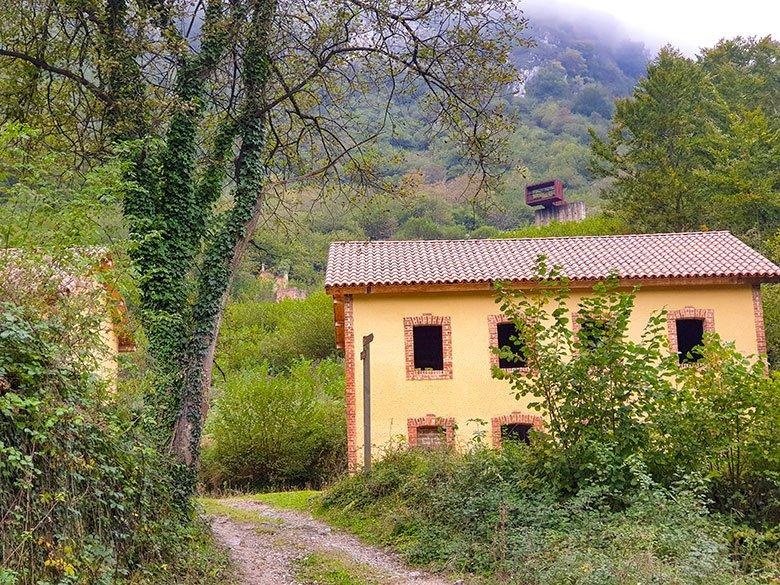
(697, 145)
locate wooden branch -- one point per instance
(46, 66)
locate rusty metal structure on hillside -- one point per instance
(552, 206)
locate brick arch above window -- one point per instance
(414, 427)
(514, 418)
(707, 316)
(445, 323)
(493, 322)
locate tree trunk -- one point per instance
(225, 251)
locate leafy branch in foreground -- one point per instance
(612, 403)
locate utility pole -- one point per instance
(365, 355)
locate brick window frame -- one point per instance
(706, 316)
(431, 420)
(522, 418)
(493, 322)
(413, 373)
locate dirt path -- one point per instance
(265, 551)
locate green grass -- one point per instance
(215, 507)
(301, 501)
(369, 529)
(324, 568)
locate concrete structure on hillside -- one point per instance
(430, 306)
(554, 207)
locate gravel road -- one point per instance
(264, 553)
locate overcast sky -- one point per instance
(687, 24)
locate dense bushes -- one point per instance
(603, 394)
(277, 431)
(276, 333)
(278, 418)
(493, 512)
(83, 498)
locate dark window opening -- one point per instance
(690, 333)
(592, 333)
(509, 336)
(428, 347)
(431, 437)
(516, 432)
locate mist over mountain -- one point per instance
(589, 45)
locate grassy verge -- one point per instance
(215, 507)
(300, 501)
(202, 562)
(485, 516)
(324, 568)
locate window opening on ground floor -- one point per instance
(431, 437)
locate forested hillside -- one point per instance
(574, 66)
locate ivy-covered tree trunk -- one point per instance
(178, 237)
(226, 249)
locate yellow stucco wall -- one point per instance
(472, 393)
(108, 366)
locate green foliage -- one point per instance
(611, 403)
(596, 225)
(698, 143)
(489, 512)
(46, 202)
(84, 498)
(278, 431)
(722, 419)
(548, 82)
(770, 295)
(593, 98)
(276, 333)
(593, 387)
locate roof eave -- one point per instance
(465, 286)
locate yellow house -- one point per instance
(430, 306)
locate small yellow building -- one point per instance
(430, 306)
(23, 273)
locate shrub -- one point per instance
(276, 333)
(593, 387)
(83, 498)
(608, 400)
(278, 430)
(722, 419)
(489, 512)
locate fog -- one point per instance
(687, 24)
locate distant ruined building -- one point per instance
(549, 195)
(282, 288)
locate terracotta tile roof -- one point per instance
(636, 256)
